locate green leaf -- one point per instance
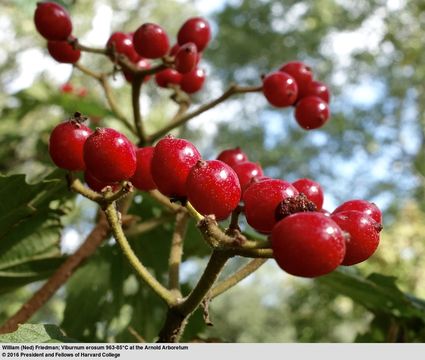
(29, 229)
(378, 293)
(32, 333)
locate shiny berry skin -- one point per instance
(142, 178)
(301, 73)
(151, 41)
(246, 171)
(232, 156)
(109, 156)
(213, 188)
(97, 185)
(363, 237)
(66, 145)
(315, 88)
(261, 199)
(171, 163)
(196, 30)
(193, 81)
(308, 244)
(63, 52)
(167, 77)
(311, 189)
(186, 58)
(142, 64)
(312, 112)
(280, 89)
(52, 21)
(123, 44)
(363, 206)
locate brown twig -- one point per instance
(176, 252)
(183, 118)
(93, 240)
(237, 277)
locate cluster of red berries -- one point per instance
(306, 240)
(293, 84)
(149, 41)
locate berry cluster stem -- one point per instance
(136, 86)
(178, 315)
(176, 252)
(118, 233)
(185, 117)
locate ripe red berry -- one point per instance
(167, 77)
(301, 73)
(67, 88)
(363, 206)
(142, 178)
(246, 171)
(109, 156)
(142, 64)
(363, 234)
(151, 41)
(232, 156)
(97, 185)
(52, 21)
(63, 52)
(196, 30)
(280, 89)
(186, 58)
(312, 112)
(213, 188)
(261, 199)
(315, 88)
(312, 190)
(122, 43)
(193, 81)
(66, 145)
(308, 244)
(170, 165)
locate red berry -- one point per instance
(308, 244)
(142, 178)
(315, 88)
(301, 73)
(213, 188)
(82, 92)
(312, 190)
(312, 112)
(246, 171)
(232, 156)
(63, 52)
(151, 41)
(97, 185)
(186, 58)
(280, 89)
(173, 51)
(171, 162)
(142, 64)
(363, 235)
(67, 88)
(109, 156)
(193, 81)
(363, 206)
(66, 145)
(122, 43)
(52, 21)
(261, 200)
(167, 77)
(196, 30)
